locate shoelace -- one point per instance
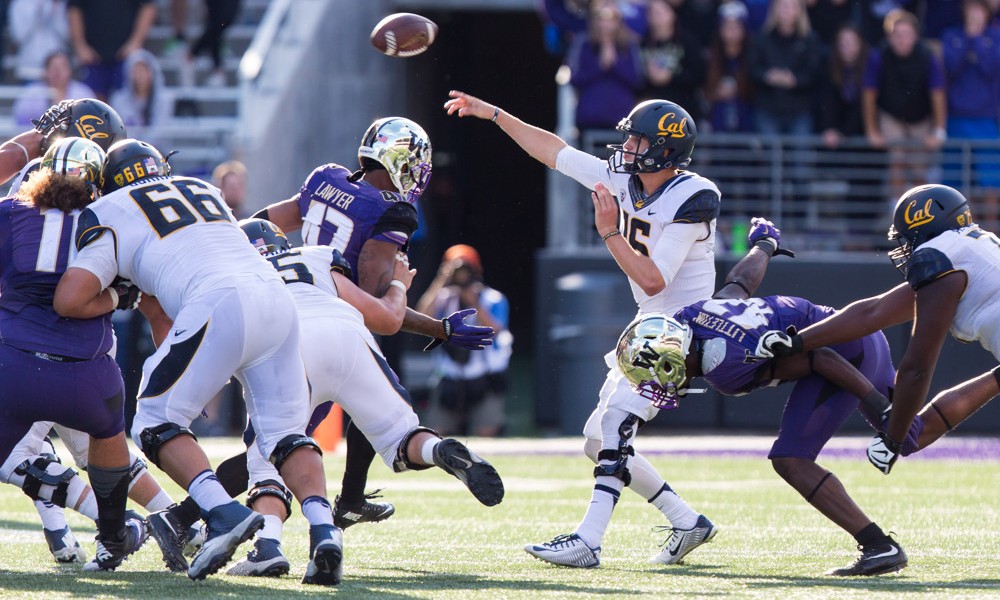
(560, 541)
(374, 494)
(672, 530)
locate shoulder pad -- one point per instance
(702, 207)
(391, 196)
(400, 216)
(925, 266)
(340, 265)
(89, 229)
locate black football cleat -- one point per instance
(477, 474)
(876, 559)
(367, 512)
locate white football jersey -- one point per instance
(307, 270)
(674, 226)
(173, 237)
(977, 252)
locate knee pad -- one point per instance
(271, 487)
(48, 473)
(152, 439)
(619, 468)
(403, 462)
(288, 445)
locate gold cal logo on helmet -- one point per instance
(919, 217)
(87, 130)
(674, 128)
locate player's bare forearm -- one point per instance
(159, 322)
(540, 144)
(835, 369)
(745, 277)
(936, 305)
(17, 152)
(79, 295)
(376, 262)
(861, 318)
(284, 214)
(419, 323)
(639, 268)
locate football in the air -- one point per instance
(403, 34)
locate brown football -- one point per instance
(403, 34)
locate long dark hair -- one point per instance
(717, 66)
(838, 68)
(45, 189)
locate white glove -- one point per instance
(883, 452)
(775, 344)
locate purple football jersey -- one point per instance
(741, 323)
(35, 250)
(345, 214)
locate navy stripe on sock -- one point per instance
(607, 490)
(665, 488)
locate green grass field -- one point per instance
(442, 544)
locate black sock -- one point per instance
(187, 512)
(360, 455)
(111, 491)
(871, 535)
(233, 475)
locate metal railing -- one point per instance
(826, 200)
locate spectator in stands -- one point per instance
(103, 33)
(606, 69)
(727, 86)
(56, 85)
(903, 102)
(675, 67)
(697, 18)
(144, 102)
(840, 106)
(231, 178)
(840, 117)
(941, 15)
(221, 14)
(469, 398)
(571, 17)
(828, 17)
(38, 28)
(785, 64)
(971, 56)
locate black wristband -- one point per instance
(767, 245)
(447, 328)
(893, 446)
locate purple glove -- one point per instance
(460, 333)
(762, 230)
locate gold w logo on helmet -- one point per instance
(674, 128)
(918, 217)
(86, 127)
(646, 357)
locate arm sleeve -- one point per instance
(396, 224)
(672, 249)
(701, 207)
(585, 168)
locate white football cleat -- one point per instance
(566, 550)
(683, 541)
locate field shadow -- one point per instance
(431, 581)
(149, 584)
(889, 582)
(21, 525)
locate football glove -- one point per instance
(128, 293)
(883, 452)
(460, 333)
(56, 118)
(762, 230)
(776, 344)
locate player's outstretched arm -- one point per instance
(540, 144)
(745, 277)
(17, 152)
(936, 304)
(284, 214)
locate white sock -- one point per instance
(88, 507)
(53, 517)
(427, 450)
(159, 502)
(645, 480)
(602, 503)
(271, 529)
(674, 509)
(207, 491)
(316, 510)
